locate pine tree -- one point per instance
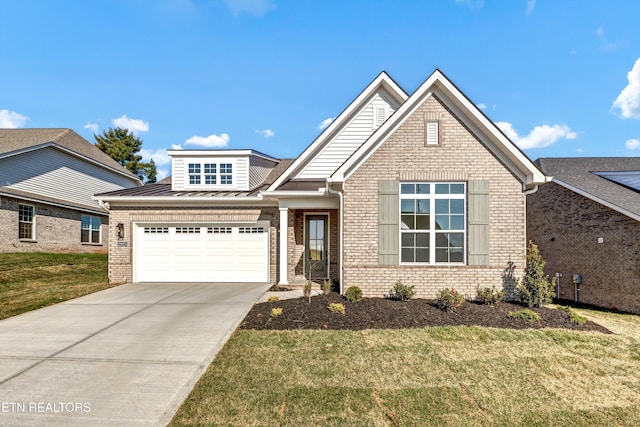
(534, 288)
(123, 147)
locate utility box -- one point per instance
(577, 279)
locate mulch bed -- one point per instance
(379, 313)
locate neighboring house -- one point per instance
(587, 222)
(47, 180)
(423, 188)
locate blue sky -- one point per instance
(561, 78)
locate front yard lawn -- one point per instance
(449, 375)
(30, 280)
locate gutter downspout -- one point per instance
(526, 193)
(341, 232)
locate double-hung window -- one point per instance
(210, 173)
(90, 229)
(194, 173)
(226, 173)
(432, 223)
(25, 222)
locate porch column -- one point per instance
(284, 245)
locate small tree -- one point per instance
(123, 147)
(534, 288)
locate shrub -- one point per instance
(276, 311)
(353, 294)
(326, 287)
(306, 290)
(575, 317)
(273, 298)
(534, 288)
(526, 314)
(336, 307)
(449, 299)
(489, 295)
(402, 292)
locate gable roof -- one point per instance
(383, 80)
(582, 175)
(483, 128)
(16, 141)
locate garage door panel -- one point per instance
(222, 245)
(160, 244)
(188, 244)
(251, 244)
(234, 255)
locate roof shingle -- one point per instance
(20, 139)
(580, 172)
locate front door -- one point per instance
(316, 247)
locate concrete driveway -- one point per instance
(124, 356)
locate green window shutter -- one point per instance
(478, 222)
(388, 222)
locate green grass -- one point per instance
(444, 376)
(31, 280)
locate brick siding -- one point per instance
(57, 229)
(566, 227)
(404, 157)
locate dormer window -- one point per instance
(219, 170)
(194, 173)
(226, 173)
(210, 174)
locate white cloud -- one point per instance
(267, 133)
(629, 99)
(539, 137)
(531, 5)
(93, 127)
(473, 4)
(12, 120)
(326, 122)
(482, 106)
(211, 141)
(176, 147)
(160, 156)
(161, 174)
(632, 144)
(605, 44)
(134, 125)
(252, 7)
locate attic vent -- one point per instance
(379, 117)
(432, 133)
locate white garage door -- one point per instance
(197, 253)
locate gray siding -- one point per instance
(259, 168)
(53, 173)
